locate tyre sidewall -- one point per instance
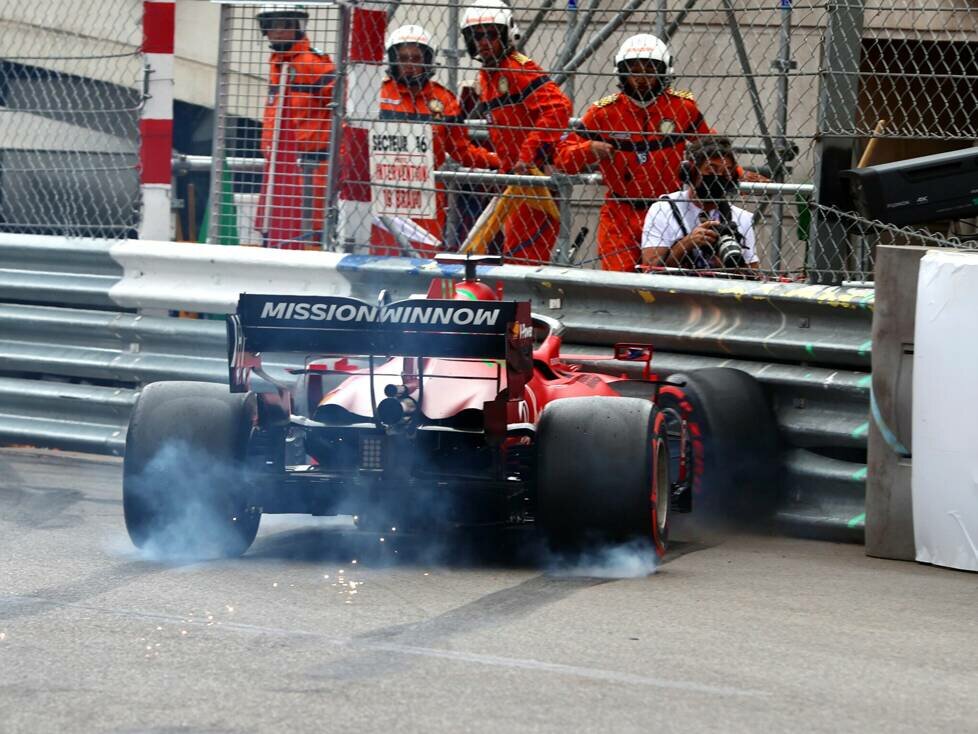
(184, 474)
(733, 444)
(595, 472)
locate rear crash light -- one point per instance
(371, 452)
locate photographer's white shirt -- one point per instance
(662, 230)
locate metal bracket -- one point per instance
(147, 73)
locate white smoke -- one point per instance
(635, 559)
(182, 486)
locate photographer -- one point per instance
(696, 227)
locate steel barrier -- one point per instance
(69, 311)
(183, 164)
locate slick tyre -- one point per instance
(732, 446)
(603, 473)
(185, 489)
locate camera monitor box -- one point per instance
(925, 189)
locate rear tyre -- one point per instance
(603, 473)
(733, 444)
(185, 489)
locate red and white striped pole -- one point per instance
(156, 123)
(366, 75)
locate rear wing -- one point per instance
(337, 325)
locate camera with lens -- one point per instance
(729, 245)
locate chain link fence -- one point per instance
(908, 83)
(800, 89)
(70, 93)
(264, 106)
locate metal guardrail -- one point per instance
(183, 163)
(455, 179)
(63, 415)
(55, 270)
(769, 321)
(808, 345)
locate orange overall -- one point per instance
(649, 144)
(527, 115)
(299, 94)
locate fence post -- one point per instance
(451, 50)
(307, 168)
(337, 119)
(220, 124)
(368, 27)
(570, 41)
(156, 125)
(838, 99)
(783, 65)
(452, 56)
(565, 190)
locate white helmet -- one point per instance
(411, 34)
(488, 12)
(645, 46)
(267, 12)
(648, 47)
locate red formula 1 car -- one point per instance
(460, 411)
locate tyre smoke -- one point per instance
(181, 506)
(635, 559)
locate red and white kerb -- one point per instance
(366, 75)
(156, 123)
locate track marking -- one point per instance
(611, 676)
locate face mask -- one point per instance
(714, 187)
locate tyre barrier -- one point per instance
(84, 324)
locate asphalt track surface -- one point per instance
(751, 634)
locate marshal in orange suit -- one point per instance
(637, 138)
(527, 116)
